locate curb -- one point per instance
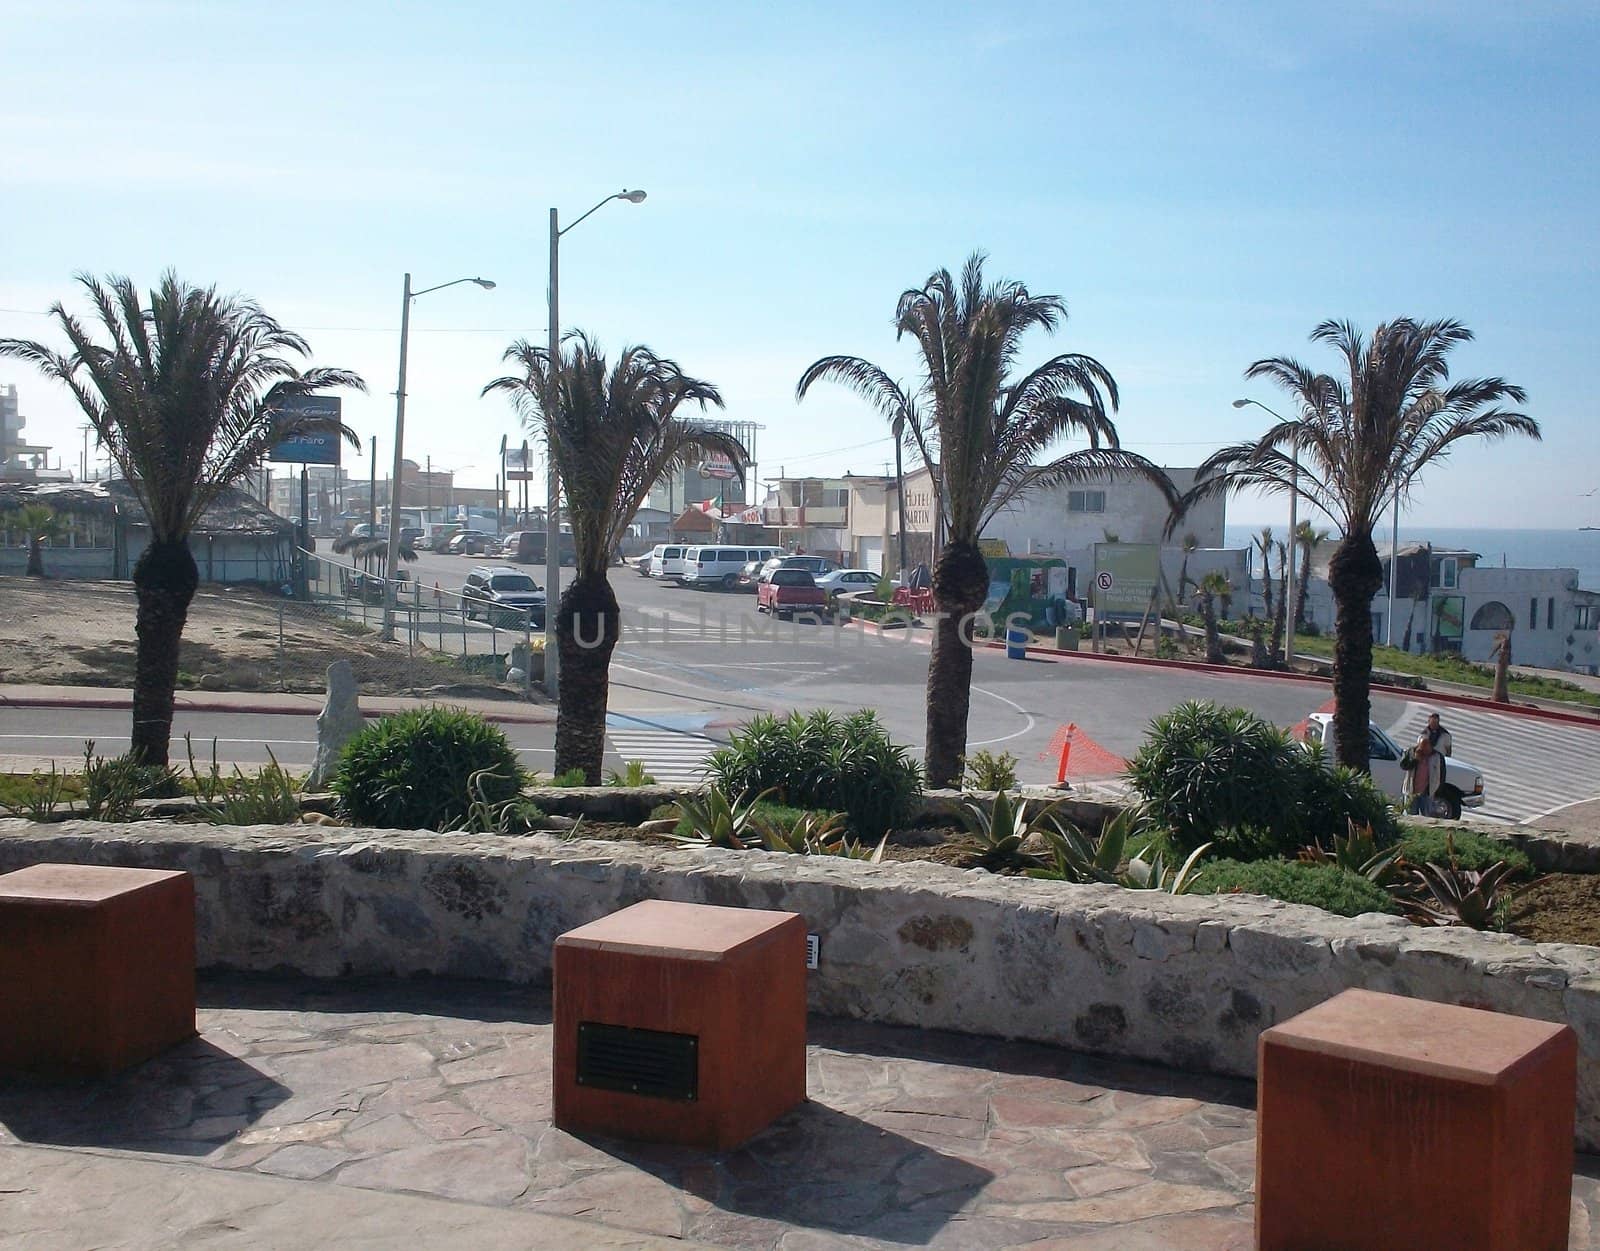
(126, 705)
(1586, 720)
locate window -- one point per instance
(1447, 573)
(1378, 745)
(836, 498)
(1586, 617)
(1550, 613)
(1533, 613)
(1086, 501)
(1492, 616)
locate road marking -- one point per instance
(1005, 738)
(673, 755)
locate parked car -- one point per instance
(847, 580)
(788, 591)
(410, 536)
(367, 531)
(750, 575)
(667, 561)
(502, 596)
(1462, 786)
(467, 543)
(816, 566)
(641, 564)
(720, 566)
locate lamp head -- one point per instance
(484, 283)
(1241, 403)
(633, 197)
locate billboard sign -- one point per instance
(308, 428)
(1125, 579)
(718, 467)
(519, 464)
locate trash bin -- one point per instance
(1067, 638)
(1016, 643)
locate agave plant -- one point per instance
(1000, 830)
(1076, 856)
(717, 821)
(820, 834)
(1157, 874)
(487, 814)
(1358, 852)
(1447, 894)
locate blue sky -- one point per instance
(1201, 183)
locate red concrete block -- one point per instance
(96, 967)
(1386, 1122)
(680, 1023)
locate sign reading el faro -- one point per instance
(308, 427)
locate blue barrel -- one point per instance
(1016, 643)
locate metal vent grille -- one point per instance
(638, 1061)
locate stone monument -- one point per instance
(337, 723)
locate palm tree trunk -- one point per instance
(1355, 573)
(1303, 589)
(164, 581)
(587, 628)
(1208, 611)
(960, 582)
(1266, 582)
(35, 557)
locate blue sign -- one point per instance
(310, 430)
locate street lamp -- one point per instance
(1294, 525)
(392, 588)
(552, 510)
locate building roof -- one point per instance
(233, 512)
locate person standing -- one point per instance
(1424, 774)
(1439, 737)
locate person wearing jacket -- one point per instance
(1439, 736)
(1424, 775)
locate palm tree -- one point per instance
(1363, 438)
(979, 431)
(1191, 544)
(1264, 546)
(613, 432)
(1275, 648)
(1307, 538)
(39, 522)
(1211, 588)
(181, 393)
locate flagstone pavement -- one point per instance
(442, 1090)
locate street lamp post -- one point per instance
(1294, 525)
(552, 509)
(399, 446)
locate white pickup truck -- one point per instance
(1463, 782)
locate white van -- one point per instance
(666, 561)
(719, 566)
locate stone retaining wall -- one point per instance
(1187, 981)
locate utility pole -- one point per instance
(372, 490)
(430, 483)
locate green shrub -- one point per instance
(1325, 886)
(1475, 852)
(986, 771)
(768, 813)
(268, 797)
(410, 771)
(1225, 775)
(632, 773)
(572, 777)
(819, 760)
(112, 788)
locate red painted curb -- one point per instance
(1589, 721)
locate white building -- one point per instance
(1553, 624)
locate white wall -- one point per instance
(1535, 642)
(1042, 522)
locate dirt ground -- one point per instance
(81, 634)
(1558, 908)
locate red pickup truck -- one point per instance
(788, 591)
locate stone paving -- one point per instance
(910, 1138)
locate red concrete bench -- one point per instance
(680, 1023)
(96, 967)
(1386, 1122)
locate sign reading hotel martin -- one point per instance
(1125, 578)
(309, 430)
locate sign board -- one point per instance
(310, 430)
(994, 548)
(1125, 579)
(519, 464)
(719, 467)
(1449, 615)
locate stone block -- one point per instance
(96, 967)
(1389, 1122)
(680, 1023)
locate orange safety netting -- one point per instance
(1079, 756)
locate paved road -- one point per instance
(694, 663)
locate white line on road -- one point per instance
(1004, 738)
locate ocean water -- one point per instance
(1518, 549)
